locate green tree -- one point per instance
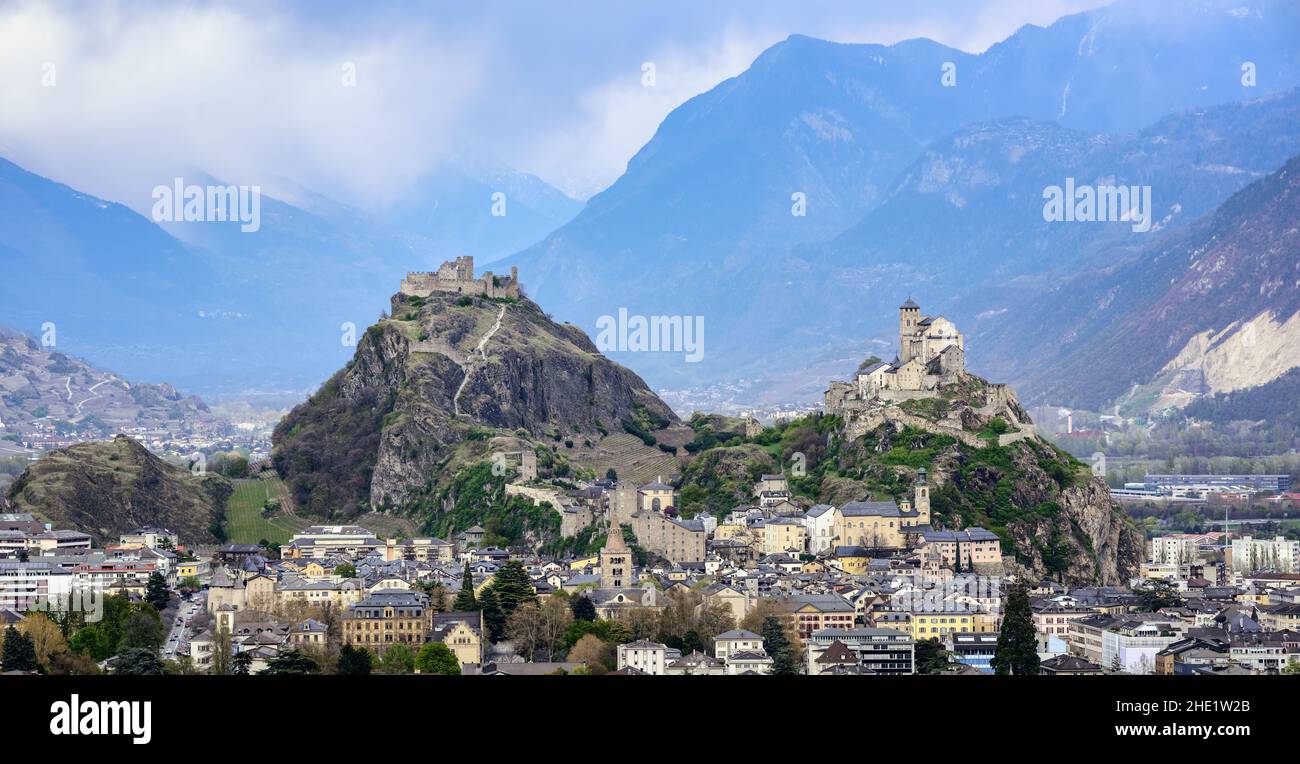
(241, 664)
(354, 661)
(346, 570)
(777, 645)
(437, 658)
(156, 592)
(142, 629)
(398, 659)
(494, 617)
(437, 598)
(291, 662)
(1017, 650)
(19, 653)
(583, 608)
(465, 599)
(691, 642)
(513, 586)
(613, 632)
(139, 661)
(931, 656)
(1157, 593)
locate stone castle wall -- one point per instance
(457, 276)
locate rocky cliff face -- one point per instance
(429, 386)
(105, 488)
(1075, 534)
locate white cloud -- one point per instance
(144, 93)
(617, 117)
(146, 90)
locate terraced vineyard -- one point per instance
(630, 458)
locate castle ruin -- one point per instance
(457, 276)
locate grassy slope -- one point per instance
(244, 521)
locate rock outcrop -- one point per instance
(105, 488)
(428, 387)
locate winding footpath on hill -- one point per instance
(94, 395)
(470, 365)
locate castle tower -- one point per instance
(615, 561)
(909, 315)
(921, 495)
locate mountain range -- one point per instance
(39, 385)
(702, 221)
(792, 207)
(212, 309)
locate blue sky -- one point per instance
(252, 91)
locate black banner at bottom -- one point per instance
(148, 712)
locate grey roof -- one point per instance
(872, 509)
(738, 634)
(970, 534)
(908, 304)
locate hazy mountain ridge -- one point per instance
(232, 305)
(35, 380)
(1113, 330)
(706, 204)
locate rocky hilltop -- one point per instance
(990, 469)
(447, 380)
(105, 488)
(1056, 520)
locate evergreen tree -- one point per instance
(513, 587)
(494, 617)
(931, 656)
(354, 661)
(241, 664)
(139, 661)
(438, 598)
(143, 628)
(1156, 593)
(1017, 650)
(777, 645)
(691, 642)
(156, 592)
(583, 608)
(465, 600)
(291, 662)
(19, 653)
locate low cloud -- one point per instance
(250, 93)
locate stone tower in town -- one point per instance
(921, 496)
(615, 561)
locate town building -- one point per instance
(386, 618)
